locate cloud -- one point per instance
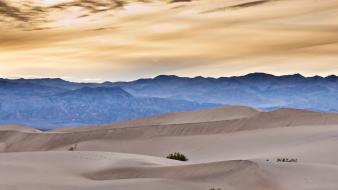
(90, 5)
(239, 6)
(12, 12)
(114, 40)
(179, 1)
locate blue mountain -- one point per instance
(51, 103)
(82, 106)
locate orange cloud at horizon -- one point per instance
(124, 40)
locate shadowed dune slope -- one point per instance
(92, 170)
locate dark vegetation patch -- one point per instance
(177, 156)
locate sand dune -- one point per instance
(93, 170)
(145, 129)
(217, 114)
(17, 128)
(232, 148)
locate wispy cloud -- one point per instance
(12, 12)
(120, 39)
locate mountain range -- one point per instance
(52, 103)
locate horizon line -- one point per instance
(166, 75)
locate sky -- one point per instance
(118, 40)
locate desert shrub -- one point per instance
(287, 159)
(177, 156)
(215, 188)
(72, 148)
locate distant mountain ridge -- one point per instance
(260, 90)
(83, 106)
(52, 103)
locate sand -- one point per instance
(233, 148)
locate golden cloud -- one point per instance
(122, 39)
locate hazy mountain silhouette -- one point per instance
(83, 106)
(259, 90)
(50, 103)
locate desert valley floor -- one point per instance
(232, 148)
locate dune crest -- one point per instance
(223, 120)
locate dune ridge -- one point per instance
(169, 125)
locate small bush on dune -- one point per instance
(177, 156)
(287, 159)
(215, 188)
(72, 148)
